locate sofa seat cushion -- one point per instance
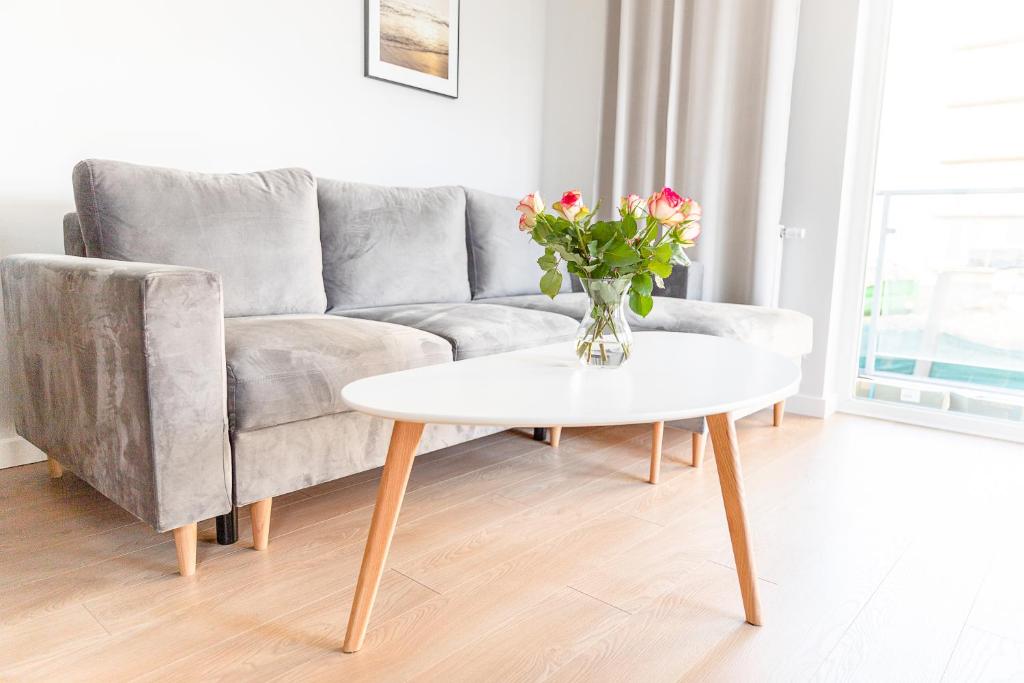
(477, 329)
(259, 231)
(385, 246)
(777, 329)
(285, 368)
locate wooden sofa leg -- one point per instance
(657, 435)
(185, 543)
(56, 470)
(260, 511)
(698, 444)
(555, 435)
(778, 411)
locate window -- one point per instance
(942, 325)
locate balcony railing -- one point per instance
(944, 303)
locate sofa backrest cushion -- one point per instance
(259, 231)
(502, 259)
(73, 243)
(392, 245)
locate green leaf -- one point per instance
(584, 270)
(547, 261)
(604, 293)
(620, 254)
(679, 256)
(594, 249)
(642, 283)
(640, 303)
(565, 253)
(550, 283)
(660, 269)
(603, 231)
(663, 252)
(629, 227)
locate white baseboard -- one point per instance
(812, 406)
(15, 451)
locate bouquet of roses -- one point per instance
(633, 253)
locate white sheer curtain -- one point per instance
(697, 97)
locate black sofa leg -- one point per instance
(227, 528)
(540, 433)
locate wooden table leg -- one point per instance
(727, 459)
(657, 434)
(698, 444)
(778, 411)
(397, 466)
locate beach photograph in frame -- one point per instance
(414, 43)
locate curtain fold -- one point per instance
(697, 97)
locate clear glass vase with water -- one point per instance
(604, 338)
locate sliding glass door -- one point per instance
(942, 323)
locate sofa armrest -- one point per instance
(685, 282)
(118, 373)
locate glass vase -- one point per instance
(604, 339)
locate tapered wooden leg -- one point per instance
(185, 543)
(555, 435)
(730, 476)
(260, 512)
(778, 411)
(698, 444)
(657, 434)
(404, 439)
(56, 470)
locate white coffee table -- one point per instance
(671, 376)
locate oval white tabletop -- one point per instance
(671, 376)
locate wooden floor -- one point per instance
(886, 552)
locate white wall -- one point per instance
(815, 162)
(573, 82)
(239, 85)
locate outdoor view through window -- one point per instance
(943, 324)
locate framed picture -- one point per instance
(414, 43)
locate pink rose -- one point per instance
(631, 205)
(665, 207)
(571, 205)
(528, 207)
(689, 232)
(689, 228)
(691, 210)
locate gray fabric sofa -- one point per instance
(187, 355)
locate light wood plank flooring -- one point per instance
(886, 552)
